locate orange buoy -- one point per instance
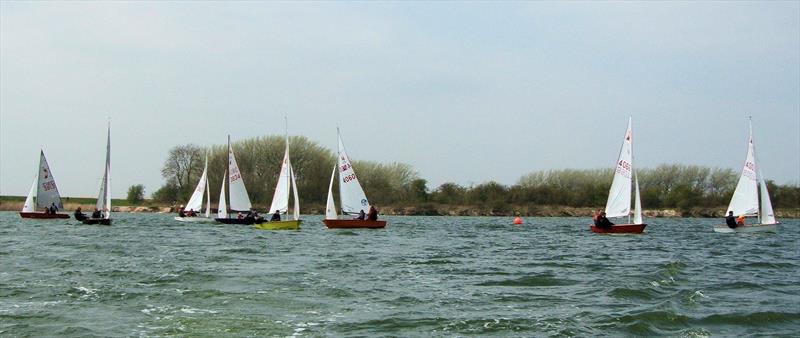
(517, 220)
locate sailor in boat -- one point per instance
(373, 213)
(79, 215)
(97, 213)
(740, 220)
(181, 213)
(239, 215)
(730, 220)
(191, 213)
(276, 217)
(46, 211)
(602, 221)
(257, 217)
(53, 208)
(361, 215)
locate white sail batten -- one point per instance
(240, 201)
(351, 195)
(745, 197)
(619, 196)
(222, 210)
(196, 201)
(330, 206)
(28, 206)
(47, 191)
(280, 199)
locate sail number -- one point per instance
(344, 167)
(49, 185)
(235, 177)
(349, 178)
(750, 165)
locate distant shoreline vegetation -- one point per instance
(684, 188)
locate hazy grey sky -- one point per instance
(465, 92)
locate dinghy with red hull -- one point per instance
(43, 195)
(619, 195)
(619, 229)
(353, 224)
(351, 195)
(41, 215)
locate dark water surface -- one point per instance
(421, 276)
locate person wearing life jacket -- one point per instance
(372, 215)
(730, 220)
(740, 220)
(276, 217)
(79, 215)
(97, 213)
(361, 215)
(602, 221)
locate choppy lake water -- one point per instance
(148, 275)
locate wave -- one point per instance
(529, 281)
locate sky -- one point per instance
(465, 92)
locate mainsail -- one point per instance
(745, 197)
(104, 197)
(280, 199)
(46, 191)
(240, 201)
(351, 195)
(619, 196)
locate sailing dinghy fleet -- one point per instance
(750, 197)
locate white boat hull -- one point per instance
(197, 219)
(723, 228)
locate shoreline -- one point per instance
(428, 209)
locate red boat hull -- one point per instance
(620, 229)
(353, 224)
(41, 215)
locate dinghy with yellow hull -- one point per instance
(280, 225)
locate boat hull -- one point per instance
(197, 219)
(619, 229)
(723, 228)
(353, 224)
(279, 225)
(96, 221)
(42, 215)
(242, 221)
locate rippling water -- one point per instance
(421, 276)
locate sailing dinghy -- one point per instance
(239, 200)
(104, 197)
(751, 197)
(619, 196)
(280, 200)
(46, 196)
(195, 203)
(351, 196)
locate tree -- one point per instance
(182, 163)
(136, 194)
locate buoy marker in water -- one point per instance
(517, 220)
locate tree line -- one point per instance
(259, 159)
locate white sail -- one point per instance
(208, 197)
(222, 211)
(28, 206)
(330, 206)
(196, 201)
(104, 197)
(240, 201)
(619, 196)
(46, 191)
(637, 204)
(280, 199)
(766, 213)
(745, 197)
(296, 211)
(351, 195)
